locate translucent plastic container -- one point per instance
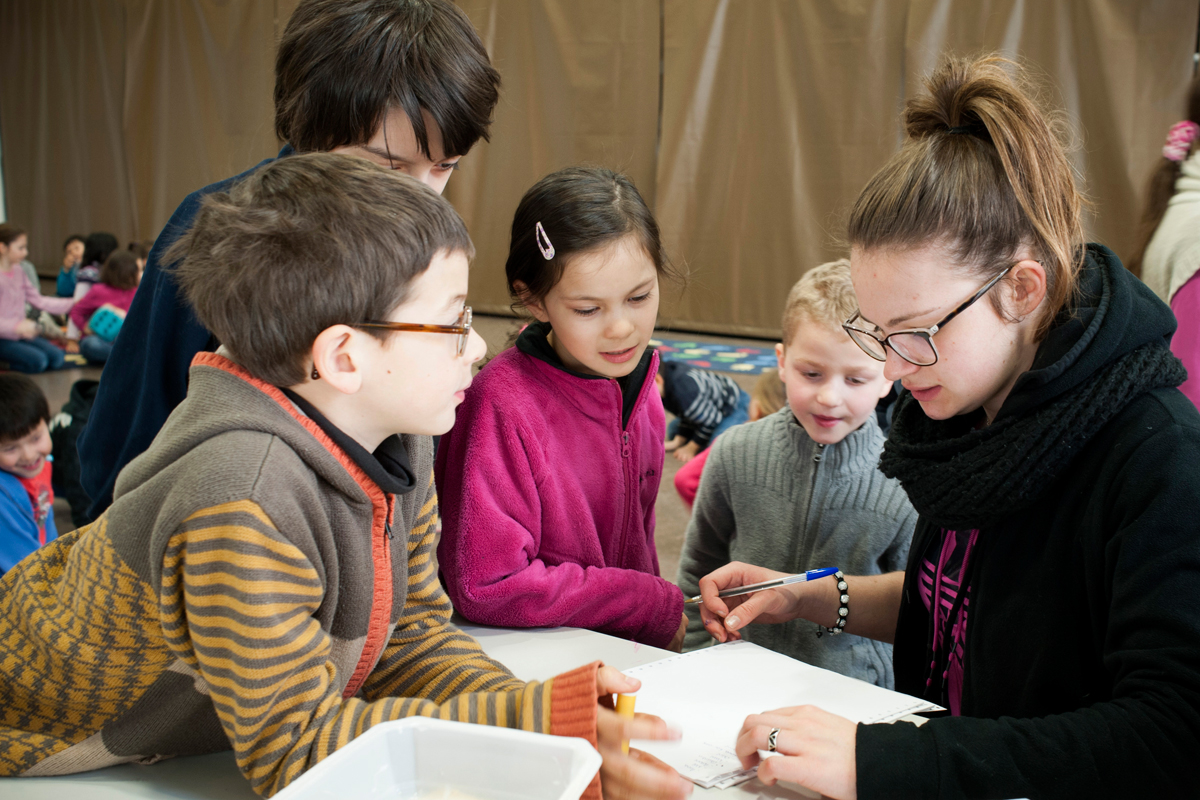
(429, 759)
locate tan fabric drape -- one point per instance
(580, 85)
(776, 112)
(772, 115)
(111, 111)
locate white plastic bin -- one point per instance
(420, 759)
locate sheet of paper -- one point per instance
(708, 693)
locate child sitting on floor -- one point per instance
(21, 342)
(799, 489)
(766, 398)
(26, 496)
(705, 405)
(549, 480)
(265, 577)
(109, 298)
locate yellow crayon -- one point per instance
(625, 703)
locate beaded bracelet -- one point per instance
(843, 608)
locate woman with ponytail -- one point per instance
(1168, 255)
(1051, 602)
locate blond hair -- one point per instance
(824, 295)
(768, 392)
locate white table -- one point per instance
(531, 655)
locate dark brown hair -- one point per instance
(120, 270)
(984, 175)
(9, 233)
(581, 209)
(74, 237)
(97, 247)
(343, 63)
(141, 249)
(1161, 187)
(305, 243)
(22, 406)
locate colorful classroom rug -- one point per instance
(720, 357)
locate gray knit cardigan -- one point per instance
(771, 496)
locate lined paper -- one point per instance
(708, 693)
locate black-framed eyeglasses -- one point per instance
(462, 329)
(914, 345)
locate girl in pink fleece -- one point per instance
(548, 479)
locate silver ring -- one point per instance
(771, 737)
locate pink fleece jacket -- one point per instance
(15, 292)
(548, 503)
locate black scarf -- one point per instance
(959, 477)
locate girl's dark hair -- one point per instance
(10, 233)
(581, 209)
(22, 406)
(97, 247)
(141, 249)
(343, 63)
(74, 237)
(120, 270)
(1161, 187)
(984, 175)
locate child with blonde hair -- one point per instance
(799, 489)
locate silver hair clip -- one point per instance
(543, 241)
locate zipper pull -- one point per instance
(625, 445)
(387, 528)
(387, 520)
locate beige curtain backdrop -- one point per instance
(749, 125)
(111, 111)
(580, 85)
(776, 112)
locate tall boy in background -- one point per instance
(404, 83)
(799, 489)
(26, 497)
(265, 577)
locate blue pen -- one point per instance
(811, 575)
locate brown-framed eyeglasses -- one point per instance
(462, 329)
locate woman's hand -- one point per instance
(816, 750)
(724, 617)
(636, 774)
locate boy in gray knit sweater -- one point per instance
(799, 489)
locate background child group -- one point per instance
(1023, 554)
(95, 288)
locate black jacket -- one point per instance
(1082, 653)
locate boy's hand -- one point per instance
(687, 452)
(676, 645)
(636, 774)
(676, 443)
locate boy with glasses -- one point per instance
(265, 577)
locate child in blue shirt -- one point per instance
(26, 498)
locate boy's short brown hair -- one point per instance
(304, 243)
(343, 63)
(824, 295)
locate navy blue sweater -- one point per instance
(146, 376)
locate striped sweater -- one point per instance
(250, 587)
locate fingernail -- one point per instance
(674, 733)
(732, 623)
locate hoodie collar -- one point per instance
(388, 466)
(1112, 314)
